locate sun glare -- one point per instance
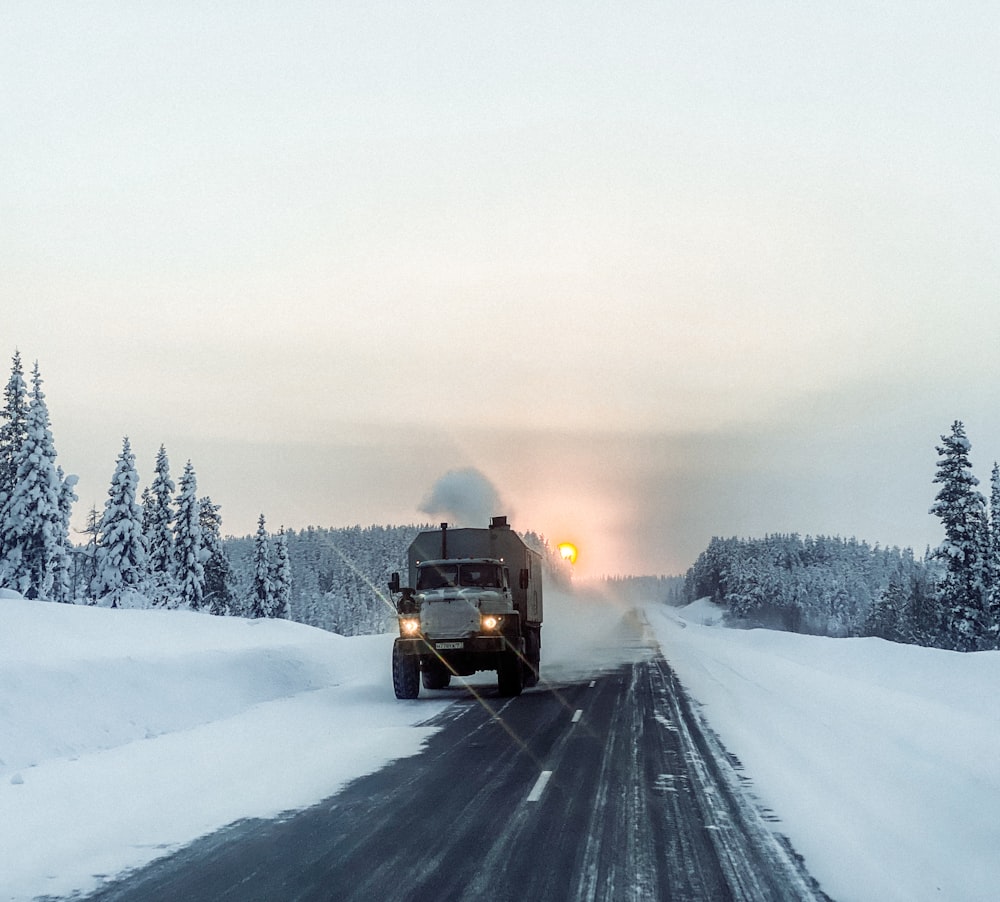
(568, 552)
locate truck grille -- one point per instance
(449, 619)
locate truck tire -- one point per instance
(405, 674)
(436, 676)
(510, 677)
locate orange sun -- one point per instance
(568, 552)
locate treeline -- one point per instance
(821, 585)
(837, 587)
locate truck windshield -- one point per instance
(482, 575)
(449, 576)
(439, 576)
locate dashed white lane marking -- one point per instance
(539, 787)
(593, 683)
(577, 715)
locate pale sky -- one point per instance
(660, 271)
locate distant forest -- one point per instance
(164, 548)
(837, 587)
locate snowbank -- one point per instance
(882, 761)
(124, 734)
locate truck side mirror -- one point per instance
(394, 582)
(524, 579)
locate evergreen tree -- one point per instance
(64, 585)
(281, 577)
(189, 560)
(158, 529)
(92, 530)
(121, 560)
(963, 591)
(922, 624)
(993, 613)
(260, 601)
(13, 428)
(219, 596)
(889, 611)
(32, 519)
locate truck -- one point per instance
(473, 603)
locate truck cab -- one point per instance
(462, 598)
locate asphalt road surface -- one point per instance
(607, 788)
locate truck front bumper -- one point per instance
(472, 645)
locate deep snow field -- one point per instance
(125, 734)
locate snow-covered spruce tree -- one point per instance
(993, 609)
(260, 601)
(922, 619)
(121, 559)
(964, 589)
(158, 528)
(64, 588)
(281, 577)
(189, 556)
(887, 615)
(34, 527)
(92, 530)
(13, 427)
(219, 597)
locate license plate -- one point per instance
(447, 646)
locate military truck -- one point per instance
(474, 602)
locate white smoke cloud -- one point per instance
(463, 498)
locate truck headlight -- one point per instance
(489, 622)
(410, 626)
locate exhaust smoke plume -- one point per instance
(464, 498)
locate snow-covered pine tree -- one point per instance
(189, 556)
(64, 587)
(888, 613)
(281, 577)
(922, 619)
(963, 591)
(121, 559)
(92, 531)
(158, 528)
(32, 520)
(993, 613)
(219, 596)
(260, 600)
(13, 427)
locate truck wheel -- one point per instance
(509, 675)
(436, 676)
(405, 674)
